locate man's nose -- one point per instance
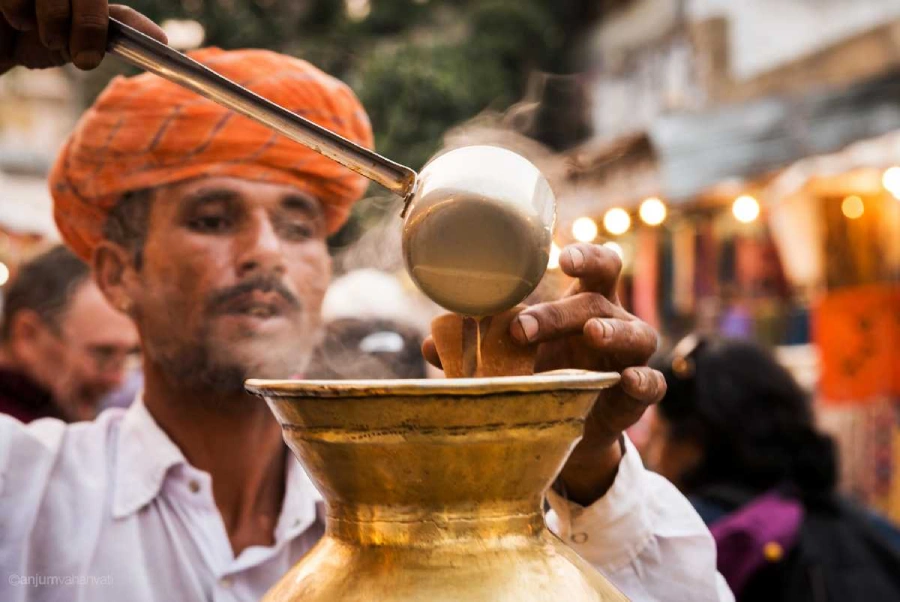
(260, 248)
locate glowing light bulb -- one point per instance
(852, 207)
(617, 221)
(891, 181)
(652, 211)
(616, 248)
(745, 209)
(4, 274)
(184, 34)
(553, 264)
(584, 229)
(358, 10)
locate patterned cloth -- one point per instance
(145, 132)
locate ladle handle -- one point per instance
(148, 54)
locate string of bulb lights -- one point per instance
(653, 212)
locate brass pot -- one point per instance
(434, 488)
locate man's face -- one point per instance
(231, 282)
(87, 354)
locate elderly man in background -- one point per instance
(209, 231)
(62, 347)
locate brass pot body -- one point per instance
(434, 489)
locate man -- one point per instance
(62, 347)
(209, 232)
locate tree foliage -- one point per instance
(419, 66)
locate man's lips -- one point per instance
(257, 304)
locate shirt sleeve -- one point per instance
(644, 536)
(27, 456)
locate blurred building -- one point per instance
(36, 113)
(746, 162)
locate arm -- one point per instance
(632, 525)
(643, 535)
(28, 454)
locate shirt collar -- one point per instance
(144, 456)
(298, 511)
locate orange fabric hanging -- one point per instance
(856, 331)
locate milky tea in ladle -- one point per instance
(478, 234)
(477, 237)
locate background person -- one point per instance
(62, 346)
(736, 433)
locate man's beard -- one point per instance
(192, 367)
(196, 366)
(209, 365)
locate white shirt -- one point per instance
(110, 510)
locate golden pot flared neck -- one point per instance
(434, 488)
(463, 453)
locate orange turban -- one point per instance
(144, 132)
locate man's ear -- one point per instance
(26, 326)
(116, 275)
(27, 335)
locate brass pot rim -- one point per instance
(558, 380)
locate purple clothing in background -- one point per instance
(736, 323)
(743, 536)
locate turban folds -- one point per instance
(144, 132)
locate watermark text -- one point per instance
(39, 580)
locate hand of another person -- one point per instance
(589, 329)
(48, 33)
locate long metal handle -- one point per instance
(148, 54)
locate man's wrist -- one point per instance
(590, 471)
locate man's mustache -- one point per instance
(262, 284)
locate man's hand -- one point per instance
(48, 33)
(589, 329)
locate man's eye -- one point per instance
(210, 223)
(298, 231)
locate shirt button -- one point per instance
(579, 537)
(225, 582)
(194, 486)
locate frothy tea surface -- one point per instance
(476, 257)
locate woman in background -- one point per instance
(736, 433)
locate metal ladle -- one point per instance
(479, 219)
